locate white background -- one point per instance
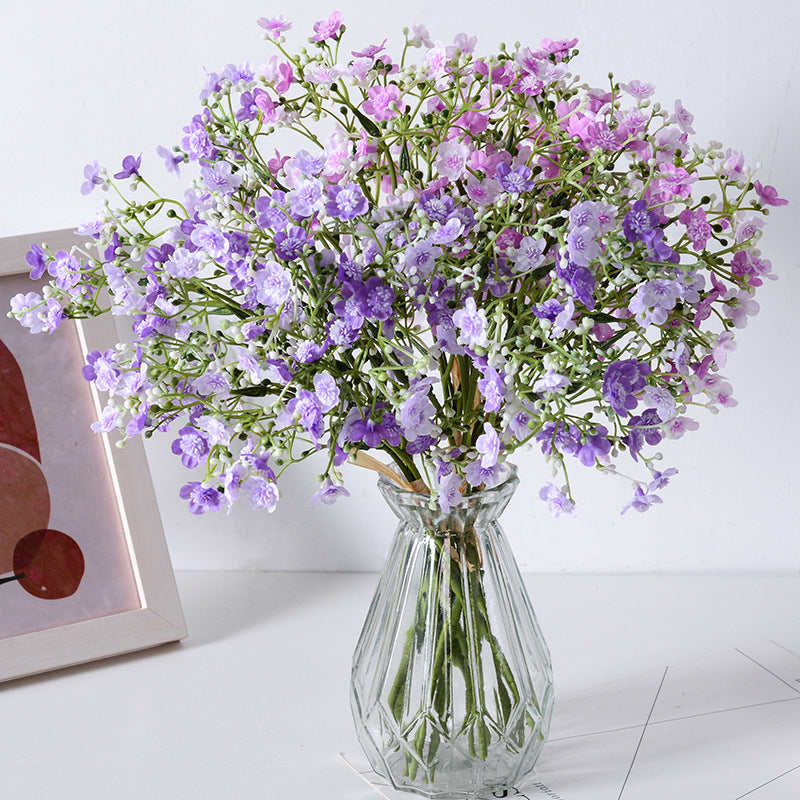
(98, 80)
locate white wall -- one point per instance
(99, 79)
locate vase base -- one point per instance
(385, 787)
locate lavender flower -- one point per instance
(103, 369)
(488, 446)
(450, 492)
(361, 426)
(221, 178)
(622, 381)
(346, 202)
(515, 181)
(91, 178)
(130, 167)
(328, 493)
(641, 501)
(200, 498)
(289, 244)
(191, 445)
(557, 501)
(472, 324)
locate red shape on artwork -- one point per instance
(52, 563)
(17, 427)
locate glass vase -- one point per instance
(451, 686)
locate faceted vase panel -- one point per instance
(452, 684)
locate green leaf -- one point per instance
(369, 126)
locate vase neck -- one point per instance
(475, 510)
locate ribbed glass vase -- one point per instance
(451, 685)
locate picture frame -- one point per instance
(57, 468)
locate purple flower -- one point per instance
(306, 198)
(451, 159)
(491, 387)
(683, 118)
(515, 181)
(191, 445)
(172, 160)
(472, 324)
(326, 390)
(109, 419)
(661, 400)
(327, 28)
(91, 178)
(383, 102)
(420, 445)
(308, 351)
(437, 208)
(661, 479)
(488, 446)
(377, 299)
(221, 178)
(450, 492)
(307, 164)
(289, 244)
(130, 167)
(550, 309)
(344, 333)
(273, 284)
(551, 383)
(581, 245)
(519, 424)
(623, 379)
(328, 493)
(201, 498)
(644, 428)
(557, 437)
(420, 258)
(640, 223)
(769, 195)
(449, 232)
(361, 426)
(183, 263)
(558, 503)
(583, 284)
(417, 416)
(596, 448)
(36, 314)
(66, 269)
(346, 202)
(212, 383)
(698, 230)
(641, 501)
(529, 254)
(269, 215)
(478, 475)
(103, 369)
(275, 26)
(211, 240)
(197, 142)
(654, 300)
(261, 492)
(306, 410)
(37, 261)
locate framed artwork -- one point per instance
(84, 567)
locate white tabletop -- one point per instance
(254, 704)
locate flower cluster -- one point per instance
(458, 257)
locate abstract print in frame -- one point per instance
(84, 566)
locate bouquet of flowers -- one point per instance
(448, 259)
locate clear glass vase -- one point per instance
(452, 686)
